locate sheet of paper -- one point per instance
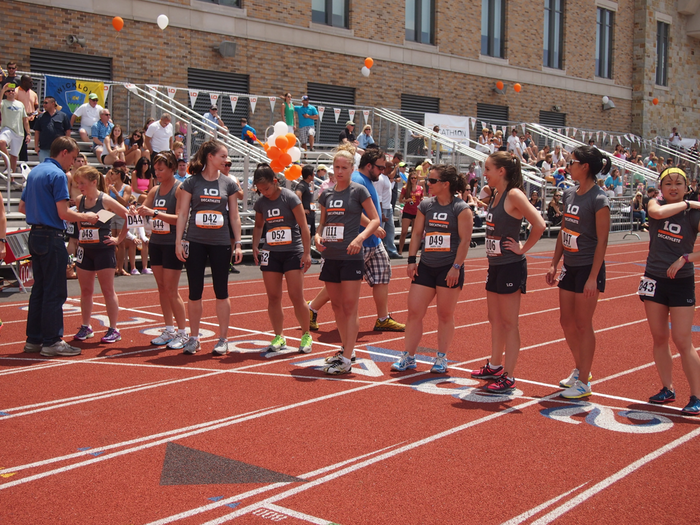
(104, 216)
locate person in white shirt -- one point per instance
(89, 114)
(159, 136)
(675, 138)
(513, 142)
(383, 187)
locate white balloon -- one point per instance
(281, 128)
(606, 100)
(295, 153)
(271, 139)
(163, 21)
(365, 71)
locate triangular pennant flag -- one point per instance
(483, 125)
(130, 87)
(604, 135)
(253, 101)
(171, 92)
(336, 111)
(321, 110)
(106, 92)
(153, 90)
(505, 129)
(213, 98)
(523, 125)
(234, 101)
(351, 112)
(272, 103)
(559, 131)
(575, 131)
(583, 136)
(597, 136)
(567, 131)
(193, 97)
(365, 112)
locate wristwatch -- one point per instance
(155, 213)
(457, 266)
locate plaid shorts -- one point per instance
(377, 268)
(304, 135)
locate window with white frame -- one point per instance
(493, 28)
(604, 43)
(420, 21)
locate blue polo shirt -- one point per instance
(309, 110)
(99, 130)
(372, 241)
(46, 185)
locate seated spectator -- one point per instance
(693, 193)
(15, 123)
(365, 138)
(100, 130)
(531, 144)
(652, 193)
(245, 128)
(159, 135)
(554, 213)
(181, 174)
(498, 141)
(135, 148)
(114, 147)
(89, 115)
(141, 180)
(638, 212)
(535, 200)
(547, 168)
(347, 135)
(484, 143)
(180, 129)
(614, 183)
(559, 176)
(557, 155)
(542, 155)
(212, 123)
(651, 163)
(179, 137)
(179, 150)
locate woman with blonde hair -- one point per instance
(365, 138)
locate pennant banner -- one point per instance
(524, 126)
(567, 131)
(272, 103)
(253, 101)
(106, 91)
(483, 125)
(171, 92)
(504, 129)
(153, 90)
(130, 87)
(234, 100)
(193, 97)
(336, 111)
(321, 110)
(351, 112)
(213, 98)
(365, 112)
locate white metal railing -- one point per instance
(7, 176)
(662, 144)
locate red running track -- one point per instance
(131, 434)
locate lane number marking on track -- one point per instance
(604, 417)
(361, 367)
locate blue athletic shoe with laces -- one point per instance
(440, 365)
(693, 407)
(404, 363)
(664, 396)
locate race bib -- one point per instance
(333, 233)
(79, 254)
(437, 242)
(647, 287)
(89, 235)
(570, 240)
(562, 274)
(279, 236)
(313, 206)
(70, 228)
(186, 248)
(159, 226)
(493, 247)
(264, 257)
(209, 219)
(134, 221)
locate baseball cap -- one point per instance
(402, 164)
(322, 167)
(305, 97)
(92, 96)
(181, 159)
(428, 161)
(349, 123)
(214, 107)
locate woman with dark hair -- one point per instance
(582, 240)
(288, 112)
(410, 197)
(121, 192)
(668, 285)
(115, 148)
(134, 147)
(285, 254)
(554, 213)
(161, 207)
(208, 199)
(507, 275)
(447, 223)
(142, 179)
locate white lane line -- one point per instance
(299, 515)
(536, 510)
(620, 474)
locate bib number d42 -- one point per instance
(209, 219)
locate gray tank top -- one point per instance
(669, 239)
(441, 231)
(343, 214)
(209, 216)
(500, 226)
(92, 236)
(578, 231)
(164, 233)
(282, 233)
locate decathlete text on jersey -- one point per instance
(669, 239)
(282, 232)
(578, 232)
(209, 209)
(343, 213)
(441, 231)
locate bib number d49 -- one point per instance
(437, 242)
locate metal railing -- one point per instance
(7, 176)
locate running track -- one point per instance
(131, 434)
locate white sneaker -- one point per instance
(164, 338)
(221, 347)
(191, 346)
(577, 391)
(178, 341)
(341, 366)
(573, 377)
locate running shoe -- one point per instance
(164, 338)
(277, 344)
(191, 346)
(664, 396)
(406, 362)
(60, 348)
(440, 365)
(577, 391)
(85, 332)
(313, 318)
(693, 407)
(338, 355)
(147, 271)
(389, 325)
(32, 348)
(179, 341)
(112, 336)
(221, 347)
(342, 366)
(488, 372)
(305, 344)
(134, 271)
(573, 377)
(502, 385)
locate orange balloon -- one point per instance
(285, 159)
(277, 166)
(295, 170)
(517, 88)
(499, 85)
(369, 63)
(290, 174)
(118, 23)
(282, 143)
(266, 146)
(655, 101)
(291, 140)
(273, 153)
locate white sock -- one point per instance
(382, 319)
(180, 330)
(169, 328)
(314, 311)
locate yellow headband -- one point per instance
(670, 171)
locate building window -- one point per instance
(420, 21)
(493, 27)
(229, 3)
(604, 43)
(662, 31)
(330, 12)
(553, 33)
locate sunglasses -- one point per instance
(435, 181)
(571, 162)
(228, 164)
(380, 166)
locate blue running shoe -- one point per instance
(404, 363)
(440, 365)
(693, 407)
(664, 396)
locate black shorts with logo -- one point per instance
(279, 262)
(337, 270)
(573, 278)
(507, 278)
(434, 277)
(669, 292)
(93, 260)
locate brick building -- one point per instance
(447, 54)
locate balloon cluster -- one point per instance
(282, 151)
(162, 21)
(500, 85)
(368, 65)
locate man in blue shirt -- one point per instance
(100, 130)
(211, 121)
(307, 115)
(377, 270)
(244, 131)
(45, 203)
